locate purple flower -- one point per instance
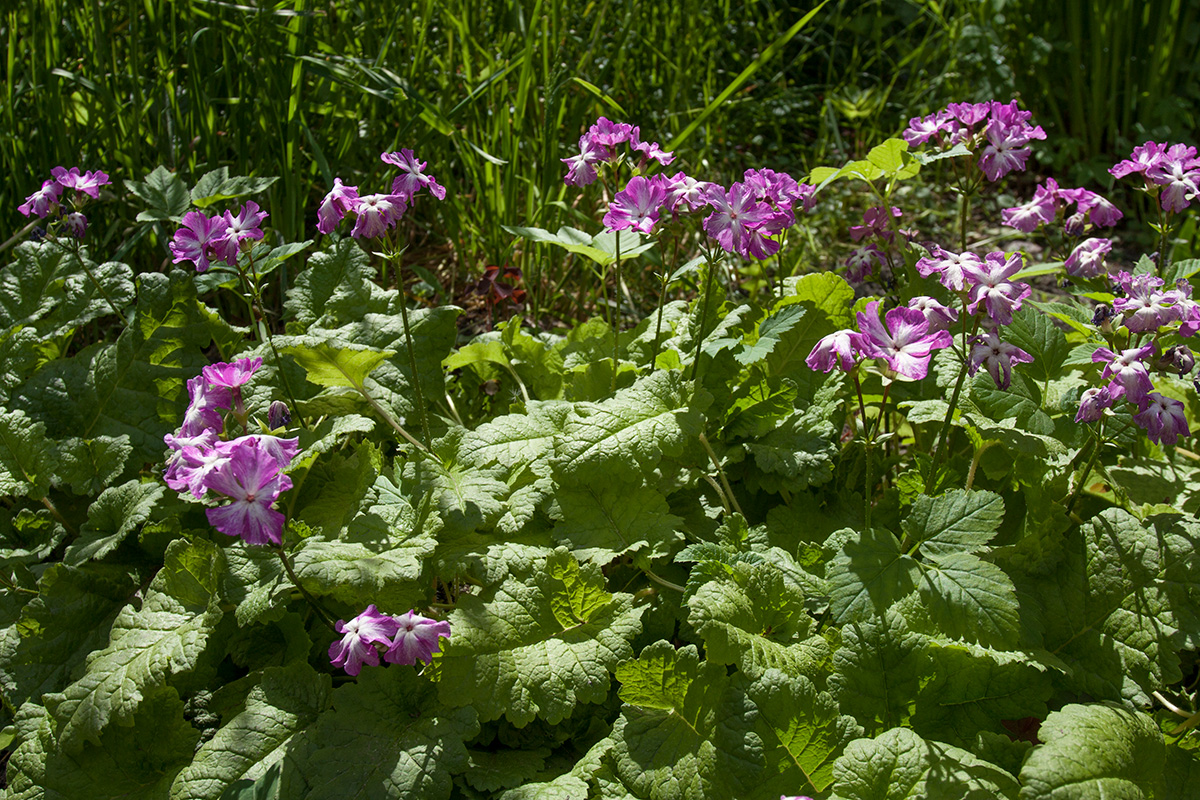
(1092, 404)
(636, 206)
(736, 211)
(1163, 419)
(241, 228)
(650, 150)
(417, 639)
(906, 344)
(759, 243)
(205, 404)
(196, 240)
(1177, 171)
(875, 223)
(40, 202)
(608, 134)
(193, 457)
(970, 114)
(990, 286)
(250, 477)
(1087, 259)
(922, 129)
(780, 190)
(581, 169)
(1127, 371)
(231, 375)
(1145, 307)
(1099, 210)
(341, 199)
(360, 635)
(683, 193)
(948, 267)
(938, 316)
(1141, 159)
(997, 356)
(411, 179)
(1043, 208)
(861, 262)
(76, 224)
(376, 213)
(1006, 150)
(838, 349)
(89, 183)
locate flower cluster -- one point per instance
(598, 146)
(47, 201)
(999, 132)
(246, 470)
(376, 213)
(1170, 171)
(1050, 202)
(862, 262)
(905, 345)
(407, 638)
(222, 237)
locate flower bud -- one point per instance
(76, 224)
(1074, 225)
(278, 415)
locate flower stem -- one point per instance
(412, 355)
(700, 334)
(264, 330)
(312, 601)
(721, 472)
(1087, 470)
(616, 311)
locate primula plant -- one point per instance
(918, 523)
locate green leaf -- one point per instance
(798, 454)
(1095, 751)
(627, 436)
(954, 152)
(29, 284)
(330, 364)
(1120, 606)
(113, 516)
(1035, 332)
(90, 465)
(879, 669)
(539, 644)
(900, 764)
(255, 582)
(802, 732)
(26, 456)
(503, 769)
(973, 689)
(136, 761)
(165, 195)
(388, 736)
(467, 497)
(869, 573)
(893, 158)
(770, 331)
(68, 619)
(955, 522)
(600, 523)
(515, 439)
(286, 702)
(216, 186)
(146, 647)
(601, 248)
(336, 287)
(971, 599)
(1021, 403)
(758, 622)
(83, 301)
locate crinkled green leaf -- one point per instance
(29, 283)
(1094, 751)
(330, 363)
(684, 731)
(88, 466)
(336, 286)
(255, 582)
(971, 599)
(113, 516)
(770, 332)
(164, 193)
(973, 689)
(600, 523)
(28, 536)
(796, 455)
(869, 573)
(215, 186)
(388, 736)
(285, 702)
(1122, 604)
(27, 458)
(516, 438)
(879, 670)
(467, 498)
(1035, 332)
(136, 761)
(627, 436)
(801, 730)
(147, 646)
(899, 765)
(543, 641)
(755, 620)
(68, 619)
(491, 771)
(957, 521)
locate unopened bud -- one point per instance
(1074, 225)
(278, 415)
(1184, 360)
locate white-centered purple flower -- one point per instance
(996, 357)
(1144, 157)
(1092, 404)
(838, 349)
(735, 213)
(1178, 173)
(89, 182)
(376, 213)
(231, 375)
(905, 344)
(1163, 419)
(990, 286)
(196, 240)
(205, 406)
(1127, 371)
(412, 177)
(251, 479)
(940, 317)
(417, 639)
(245, 226)
(340, 200)
(359, 637)
(1145, 306)
(637, 206)
(948, 267)
(921, 129)
(861, 262)
(43, 200)
(683, 193)
(1087, 259)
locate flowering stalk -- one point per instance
(617, 312)
(712, 269)
(324, 615)
(394, 255)
(262, 330)
(1087, 470)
